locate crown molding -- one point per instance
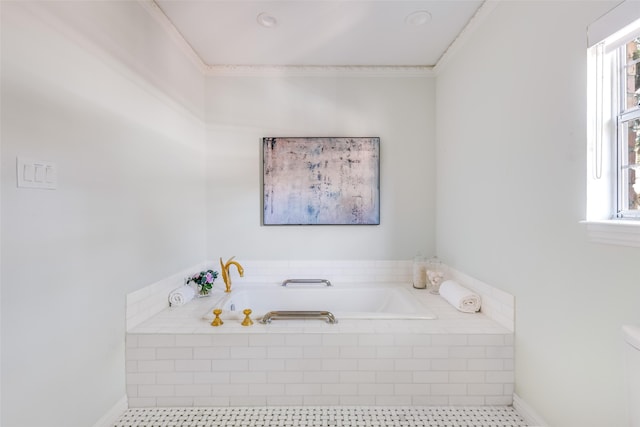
(321, 70)
(465, 35)
(154, 10)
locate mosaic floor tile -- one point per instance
(322, 417)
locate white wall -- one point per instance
(83, 92)
(242, 110)
(511, 121)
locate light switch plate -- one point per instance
(33, 173)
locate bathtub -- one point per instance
(344, 302)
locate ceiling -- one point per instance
(319, 32)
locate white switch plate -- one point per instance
(36, 174)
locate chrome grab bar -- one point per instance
(330, 318)
(286, 282)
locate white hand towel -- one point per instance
(181, 296)
(460, 297)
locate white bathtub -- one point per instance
(344, 302)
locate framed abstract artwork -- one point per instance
(308, 181)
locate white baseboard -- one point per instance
(109, 419)
(528, 413)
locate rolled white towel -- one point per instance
(460, 297)
(181, 296)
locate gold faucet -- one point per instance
(225, 271)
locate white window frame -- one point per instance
(606, 94)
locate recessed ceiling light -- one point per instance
(418, 18)
(267, 20)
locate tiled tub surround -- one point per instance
(152, 299)
(177, 359)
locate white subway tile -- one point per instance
(229, 390)
(484, 364)
(174, 353)
(342, 339)
(356, 377)
(230, 340)
(412, 339)
(248, 400)
(174, 378)
(303, 340)
(193, 390)
(289, 377)
(466, 352)
(266, 390)
(156, 340)
(374, 389)
(248, 352)
(485, 389)
(430, 377)
(193, 365)
(303, 389)
(327, 377)
(341, 389)
(175, 402)
(321, 352)
(211, 378)
(325, 400)
(394, 352)
(354, 352)
(211, 401)
(284, 352)
(193, 340)
(448, 339)
(212, 353)
(339, 364)
(499, 377)
(413, 364)
(148, 353)
(248, 378)
(229, 365)
(156, 390)
(376, 339)
(376, 365)
(466, 377)
(449, 364)
(143, 378)
(357, 400)
(508, 389)
(156, 365)
(391, 377)
(430, 400)
(303, 364)
(466, 400)
(431, 352)
(142, 402)
(487, 339)
(500, 352)
(267, 340)
(410, 389)
(449, 389)
(284, 400)
(505, 400)
(131, 390)
(266, 365)
(131, 340)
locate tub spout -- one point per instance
(225, 271)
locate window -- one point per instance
(613, 191)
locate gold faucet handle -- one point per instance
(217, 321)
(247, 320)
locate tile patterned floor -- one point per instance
(322, 417)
